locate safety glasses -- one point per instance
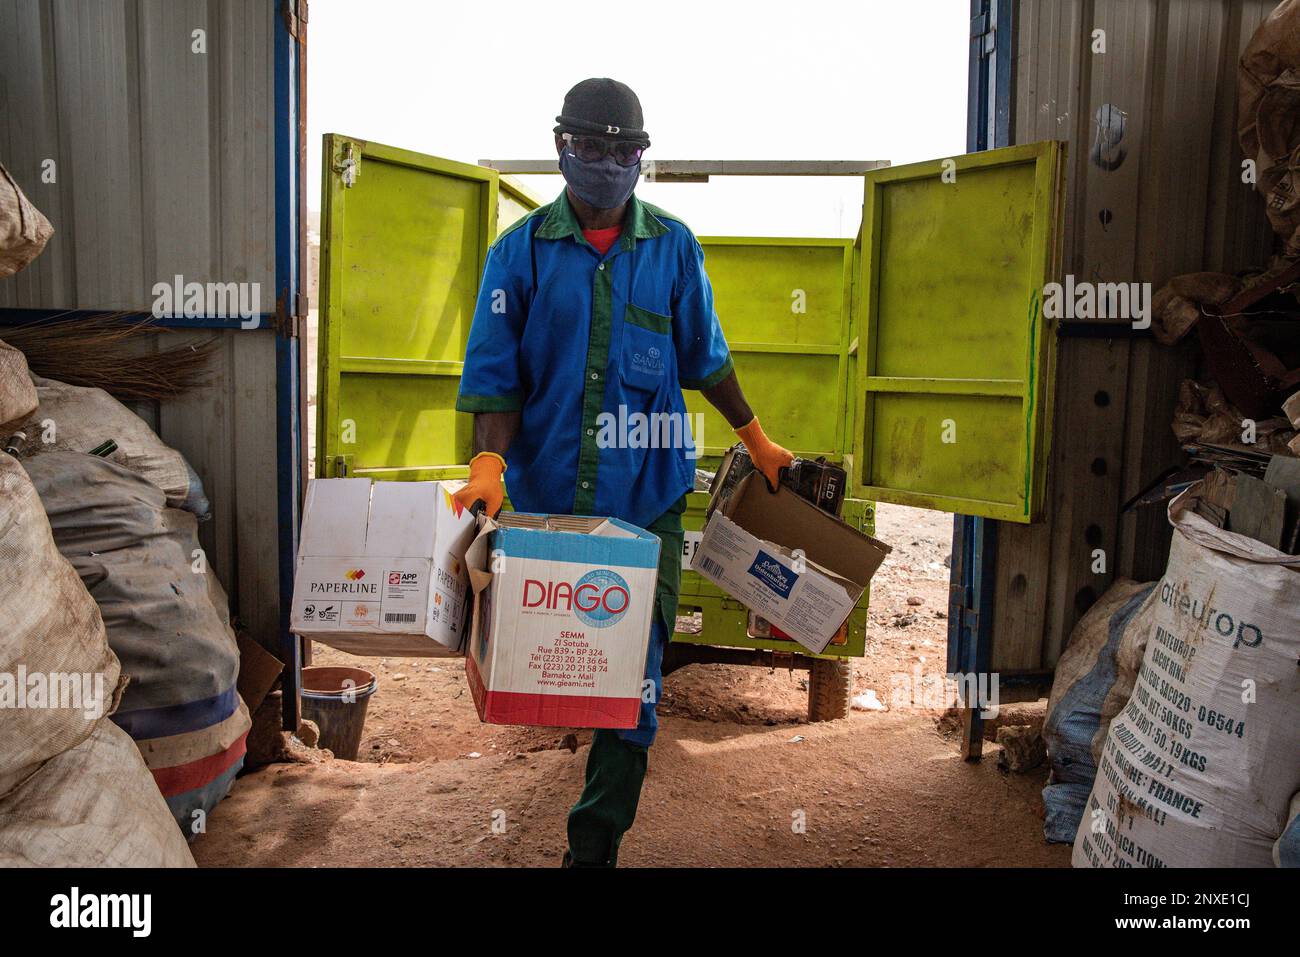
(590, 149)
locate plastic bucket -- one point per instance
(336, 697)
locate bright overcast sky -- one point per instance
(873, 79)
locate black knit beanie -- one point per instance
(603, 107)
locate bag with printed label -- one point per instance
(1199, 767)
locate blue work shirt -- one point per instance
(618, 334)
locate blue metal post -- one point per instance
(974, 540)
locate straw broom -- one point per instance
(105, 352)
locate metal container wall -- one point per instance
(153, 160)
(164, 158)
(1164, 199)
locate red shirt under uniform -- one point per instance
(602, 239)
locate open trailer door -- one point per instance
(955, 360)
(403, 240)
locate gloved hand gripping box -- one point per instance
(562, 613)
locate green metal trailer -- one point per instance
(916, 355)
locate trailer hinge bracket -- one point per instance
(348, 165)
(982, 28)
(295, 16)
(783, 659)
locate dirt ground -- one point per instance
(737, 777)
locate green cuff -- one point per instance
(512, 402)
(709, 381)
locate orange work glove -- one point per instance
(485, 471)
(768, 457)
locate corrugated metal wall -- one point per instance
(1175, 204)
(165, 162)
(164, 157)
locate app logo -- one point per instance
(773, 574)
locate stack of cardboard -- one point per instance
(792, 563)
(1266, 509)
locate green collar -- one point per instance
(638, 222)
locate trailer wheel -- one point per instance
(830, 684)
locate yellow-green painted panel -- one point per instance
(915, 461)
(784, 307)
(792, 395)
(970, 236)
(514, 201)
(404, 421)
(404, 238)
(780, 291)
(955, 365)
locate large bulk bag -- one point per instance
(77, 419)
(24, 231)
(1093, 679)
(142, 563)
(1199, 768)
(17, 394)
(50, 633)
(91, 806)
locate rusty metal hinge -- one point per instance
(290, 324)
(295, 15)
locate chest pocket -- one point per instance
(647, 359)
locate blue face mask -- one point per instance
(604, 184)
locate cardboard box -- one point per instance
(562, 612)
(381, 568)
(789, 561)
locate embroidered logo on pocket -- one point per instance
(651, 362)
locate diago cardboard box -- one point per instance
(562, 613)
(794, 564)
(381, 568)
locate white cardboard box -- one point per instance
(781, 556)
(381, 568)
(562, 615)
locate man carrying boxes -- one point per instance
(595, 310)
